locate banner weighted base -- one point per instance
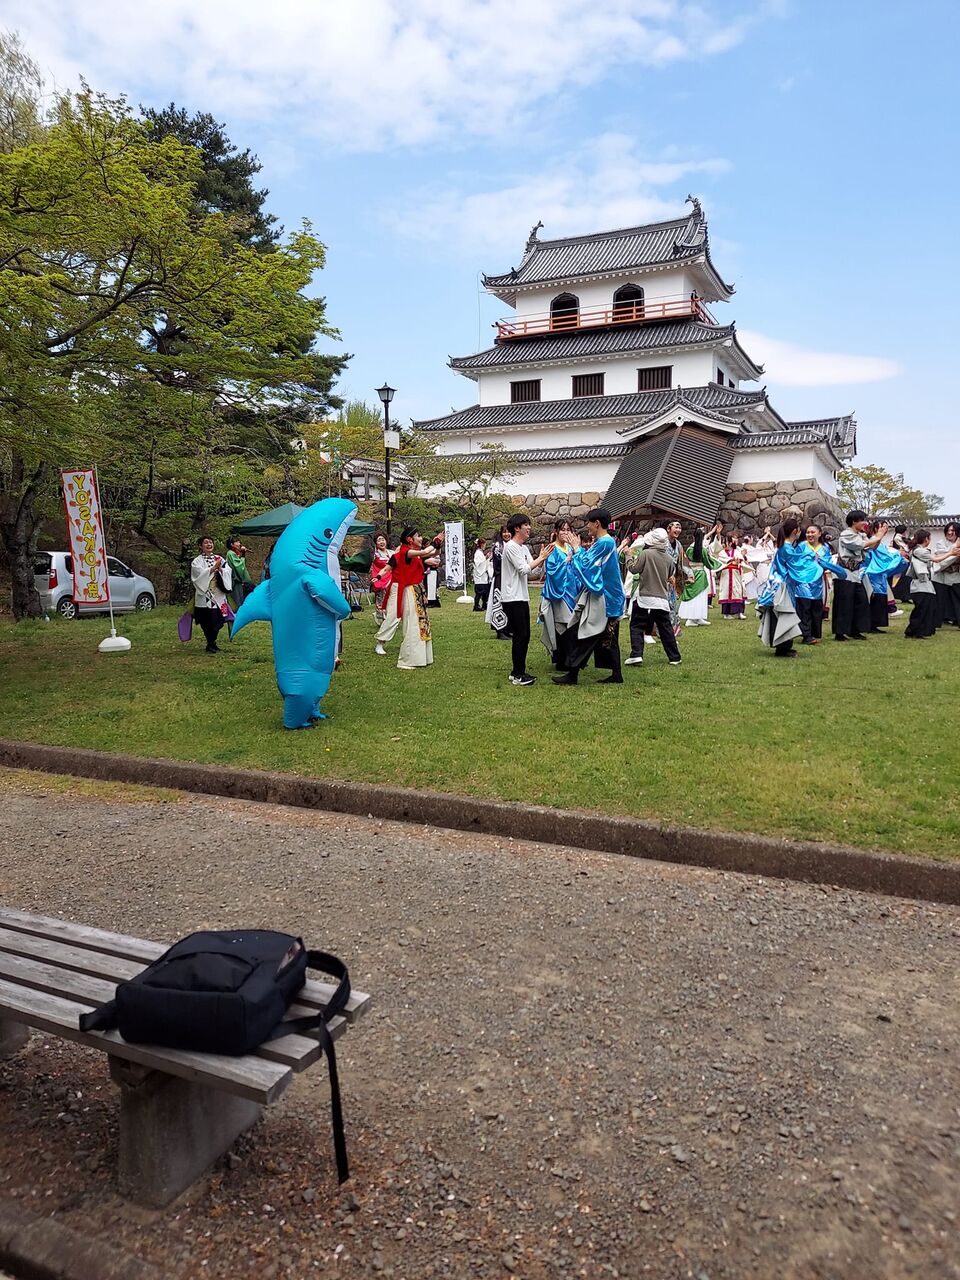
(114, 644)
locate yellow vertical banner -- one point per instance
(81, 499)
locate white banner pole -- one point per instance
(113, 643)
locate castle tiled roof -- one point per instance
(841, 432)
(728, 403)
(620, 340)
(789, 439)
(568, 453)
(654, 244)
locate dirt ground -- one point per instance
(578, 1065)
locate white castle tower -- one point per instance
(612, 381)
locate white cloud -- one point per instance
(788, 365)
(605, 183)
(368, 73)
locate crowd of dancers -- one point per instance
(592, 581)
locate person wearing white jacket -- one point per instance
(482, 574)
(212, 578)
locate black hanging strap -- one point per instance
(102, 1019)
(318, 1022)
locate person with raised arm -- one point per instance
(600, 604)
(406, 604)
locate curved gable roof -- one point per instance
(654, 244)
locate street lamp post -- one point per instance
(391, 440)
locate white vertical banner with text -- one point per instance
(455, 555)
(81, 498)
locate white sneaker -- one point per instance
(674, 662)
(649, 639)
(633, 662)
(381, 650)
(897, 613)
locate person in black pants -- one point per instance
(212, 578)
(516, 565)
(851, 608)
(482, 570)
(654, 570)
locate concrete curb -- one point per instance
(884, 873)
(35, 1248)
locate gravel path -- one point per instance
(578, 1065)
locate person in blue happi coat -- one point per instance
(600, 605)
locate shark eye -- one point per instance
(328, 533)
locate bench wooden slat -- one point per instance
(96, 963)
(81, 935)
(83, 941)
(255, 1078)
(295, 1051)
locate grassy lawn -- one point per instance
(855, 744)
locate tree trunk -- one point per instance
(20, 527)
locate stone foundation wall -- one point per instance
(747, 508)
(753, 506)
(544, 508)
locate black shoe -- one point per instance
(567, 679)
(857, 635)
(525, 679)
(791, 653)
(839, 637)
(212, 648)
(611, 680)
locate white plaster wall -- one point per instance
(766, 467)
(599, 293)
(567, 477)
(555, 436)
(690, 369)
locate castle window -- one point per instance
(628, 303)
(587, 384)
(524, 392)
(659, 378)
(565, 311)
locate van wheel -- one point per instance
(145, 602)
(67, 609)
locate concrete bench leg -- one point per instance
(171, 1131)
(13, 1036)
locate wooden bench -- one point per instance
(179, 1111)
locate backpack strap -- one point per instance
(105, 1019)
(317, 1022)
(102, 1019)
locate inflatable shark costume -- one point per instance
(303, 602)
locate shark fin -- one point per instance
(258, 607)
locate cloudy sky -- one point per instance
(423, 138)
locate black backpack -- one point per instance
(228, 993)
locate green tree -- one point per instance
(474, 485)
(137, 328)
(21, 94)
(225, 184)
(880, 492)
